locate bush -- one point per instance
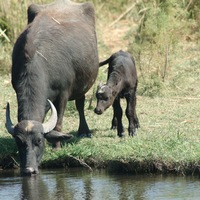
(13, 19)
(162, 26)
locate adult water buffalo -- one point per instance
(54, 58)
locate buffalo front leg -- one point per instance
(131, 113)
(118, 116)
(83, 129)
(56, 136)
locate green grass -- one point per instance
(168, 140)
(168, 110)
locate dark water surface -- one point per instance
(78, 184)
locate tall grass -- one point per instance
(13, 19)
(165, 30)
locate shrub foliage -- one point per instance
(164, 26)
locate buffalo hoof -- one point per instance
(113, 127)
(84, 135)
(133, 133)
(121, 135)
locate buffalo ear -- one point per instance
(32, 11)
(55, 136)
(99, 85)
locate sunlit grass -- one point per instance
(168, 139)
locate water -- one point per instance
(78, 184)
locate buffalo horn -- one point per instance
(51, 123)
(9, 125)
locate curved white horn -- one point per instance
(51, 123)
(9, 125)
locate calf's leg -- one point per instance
(131, 113)
(118, 114)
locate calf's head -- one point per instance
(105, 98)
(29, 136)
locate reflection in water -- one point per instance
(33, 188)
(77, 184)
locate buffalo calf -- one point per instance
(121, 82)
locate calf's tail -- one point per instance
(104, 62)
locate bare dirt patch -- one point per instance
(112, 38)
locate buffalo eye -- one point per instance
(102, 97)
(98, 96)
(106, 99)
(38, 142)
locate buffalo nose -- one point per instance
(98, 111)
(29, 171)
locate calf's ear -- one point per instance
(99, 85)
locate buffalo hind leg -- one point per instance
(131, 113)
(118, 115)
(83, 129)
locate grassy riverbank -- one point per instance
(168, 92)
(168, 140)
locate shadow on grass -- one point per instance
(76, 138)
(8, 153)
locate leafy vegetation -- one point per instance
(165, 29)
(163, 36)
